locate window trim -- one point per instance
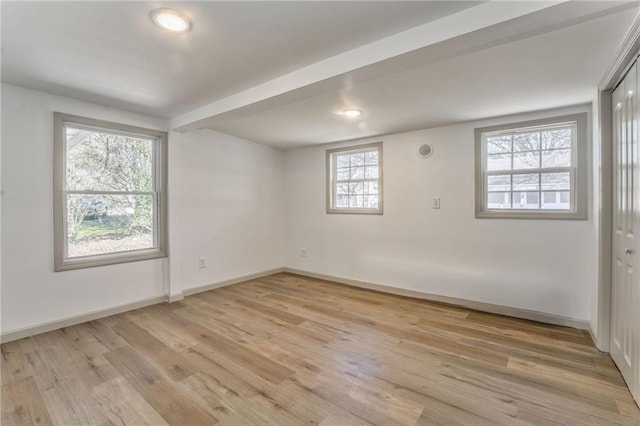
(580, 153)
(61, 263)
(330, 180)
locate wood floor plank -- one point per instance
(175, 407)
(522, 347)
(60, 382)
(255, 362)
(228, 405)
(22, 404)
(105, 334)
(165, 329)
(124, 406)
(427, 339)
(271, 312)
(14, 365)
(69, 402)
(87, 356)
(174, 365)
(231, 375)
(288, 350)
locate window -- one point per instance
(109, 193)
(354, 179)
(533, 170)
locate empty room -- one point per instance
(320, 213)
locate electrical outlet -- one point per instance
(202, 263)
(435, 203)
(303, 252)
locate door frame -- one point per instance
(626, 53)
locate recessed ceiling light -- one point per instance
(171, 20)
(352, 112)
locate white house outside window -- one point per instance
(533, 170)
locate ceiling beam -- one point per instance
(457, 24)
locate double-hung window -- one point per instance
(354, 179)
(109, 193)
(533, 170)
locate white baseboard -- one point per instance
(44, 327)
(174, 297)
(594, 338)
(20, 333)
(195, 290)
(470, 304)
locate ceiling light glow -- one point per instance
(352, 112)
(171, 20)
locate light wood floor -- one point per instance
(287, 350)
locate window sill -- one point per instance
(355, 211)
(528, 214)
(107, 259)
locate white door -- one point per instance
(625, 297)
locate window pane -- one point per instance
(100, 224)
(498, 144)
(357, 159)
(526, 142)
(499, 183)
(528, 182)
(549, 197)
(357, 173)
(342, 160)
(356, 189)
(526, 200)
(499, 162)
(371, 157)
(556, 200)
(499, 200)
(342, 174)
(554, 139)
(556, 180)
(556, 158)
(529, 167)
(526, 160)
(98, 161)
(371, 172)
(356, 201)
(371, 202)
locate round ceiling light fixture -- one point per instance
(351, 112)
(171, 20)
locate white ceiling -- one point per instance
(277, 72)
(554, 69)
(110, 51)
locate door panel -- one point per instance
(625, 292)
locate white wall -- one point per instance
(31, 292)
(231, 198)
(542, 265)
(247, 208)
(225, 205)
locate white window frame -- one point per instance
(332, 179)
(61, 261)
(578, 170)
